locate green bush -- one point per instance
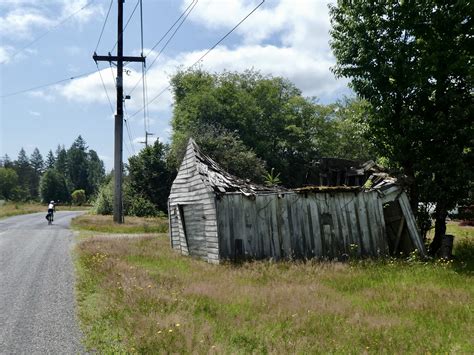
(141, 207)
(104, 202)
(78, 197)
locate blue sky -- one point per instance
(286, 38)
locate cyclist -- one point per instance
(51, 209)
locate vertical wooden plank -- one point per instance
(352, 236)
(366, 248)
(272, 213)
(311, 230)
(249, 226)
(325, 238)
(263, 225)
(317, 238)
(386, 249)
(411, 224)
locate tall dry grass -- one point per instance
(137, 295)
(105, 224)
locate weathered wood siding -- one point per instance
(295, 225)
(192, 212)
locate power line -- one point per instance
(127, 126)
(126, 24)
(50, 30)
(202, 57)
(172, 26)
(106, 91)
(185, 14)
(103, 26)
(46, 85)
(144, 94)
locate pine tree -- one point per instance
(37, 166)
(50, 160)
(24, 172)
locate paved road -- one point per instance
(37, 306)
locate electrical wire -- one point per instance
(186, 13)
(106, 91)
(202, 57)
(129, 133)
(103, 26)
(50, 30)
(46, 85)
(172, 26)
(126, 24)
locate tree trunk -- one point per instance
(440, 228)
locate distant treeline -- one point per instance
(55, 177)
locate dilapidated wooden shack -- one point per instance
(217, 216)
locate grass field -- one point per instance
(105, 224)
(136, 295)
(10, 209)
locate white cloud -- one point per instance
(46, 95)
(22, 18)
(5, 52)
(288, 39)
(20, 22)
(34, 113)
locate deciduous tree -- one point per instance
(412, 61)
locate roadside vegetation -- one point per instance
(105, 224)
(9, 209)
(136, 295)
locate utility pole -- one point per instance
(118, 146)
(146, 138)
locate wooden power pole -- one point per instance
(118, 147)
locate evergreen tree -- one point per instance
(61, 162)
(96, 171)
(53, 187)
(6, 161)
(50, 160)
(78, 166)
(8, 183)
(24, 171)
(37, 166)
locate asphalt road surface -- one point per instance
(37, 305)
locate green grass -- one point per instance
(10, 209)
(105, 224)
(137, 295)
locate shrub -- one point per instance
(78, 197)
(141, 207)
(104, 202)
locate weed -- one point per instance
(134, 293)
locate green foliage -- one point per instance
(161, 300)
(24, 171)
(247, 119)
(53, 187)
(77, 167)
(77, 162)
(141, 207)
(223, 146)
(411, 61)
(272, 179)
(50, 160)
(104, 201)
(37, 167)
(8, 183)
(150, 178)
(78, 197)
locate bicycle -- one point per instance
(50, 218)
